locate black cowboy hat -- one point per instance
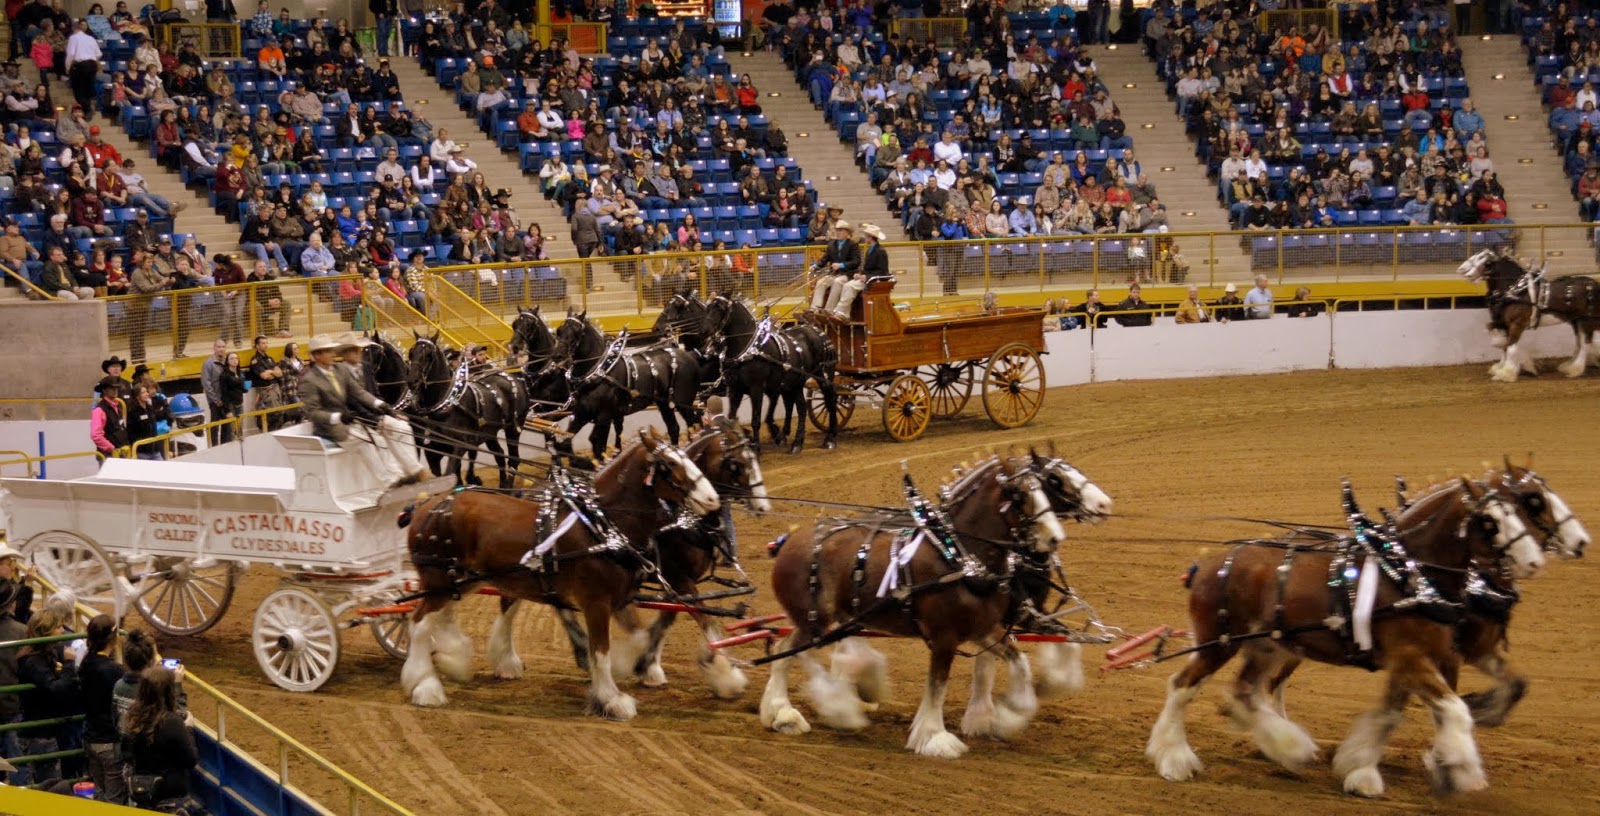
(105, 365)
(109, 381)
(140, 370)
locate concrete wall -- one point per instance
(52, 349)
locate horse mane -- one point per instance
(963, 482)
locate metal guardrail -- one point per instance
(359, 797)
(28, 759)
(241, 427)
(28, 287)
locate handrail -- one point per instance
(26, 283)
(162, 439)
(357, 790)
(399, 314)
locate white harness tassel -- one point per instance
(549, 542)
(1366, 596)
(899, 559)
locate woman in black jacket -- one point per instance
(55, 692)
(232, 386)
(146, 410)
(157, 745)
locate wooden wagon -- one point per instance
(921, 364)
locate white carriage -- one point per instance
(171, 538)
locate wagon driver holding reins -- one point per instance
(341, 409)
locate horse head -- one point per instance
(428, 369)
(1001, 503)
(684, 316)
(729, 459)
(1474, 267)
(390, 370)
(1071, 493)
(1541, 508)
(531, 335)
(729, 319)
(1435, 525)
(675, 479)
(579, 344)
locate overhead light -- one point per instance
(1485, 38)
(1555, 253)
(747, 53)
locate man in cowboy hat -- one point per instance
(840, 261)
(112, 368)
(874, 267)
(330, 392)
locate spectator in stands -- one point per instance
(54, 676)
(11, 628)
(270, 59)
(1134, 302)
(57, 278)
(158, 745)
(98, 675)
(1192, 309)
(18, 252)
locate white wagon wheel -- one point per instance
(1013, 386)
(393, 633)
(183, 597)
(296, 639)
(73, 562)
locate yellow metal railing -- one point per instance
(394, 316)
(28, 287)
(240, 424)
(638, 284)
(43, 408)
(226, 716)
(468, 317)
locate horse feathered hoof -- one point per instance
(1364, 782)
(429, 693)
(620, 708)
(1573, 368)
(1457, 778)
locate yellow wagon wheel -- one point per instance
(1013, 386)
(951, 386)
(907, 407)
(817, 407)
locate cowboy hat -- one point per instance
(6, 551)
(842, 224)
(349, 339)
(872, 231)
(105, 365)
(1231, 288)
(324, 342)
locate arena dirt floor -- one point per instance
(1168, 452)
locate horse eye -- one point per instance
(1490, 526)
(1534, 502)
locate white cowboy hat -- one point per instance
(871, 230)
(842, 224)
(324, 342)
(1232, 287)
(7, 552)
(356, 339)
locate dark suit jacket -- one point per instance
(847, 253)
(321, 400)
(875, 263)
(585, 230)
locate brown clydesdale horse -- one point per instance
(468, 538)
(1262, 587)
(947, 597)
(1521, 300)
(1481, 635)
(726, 455)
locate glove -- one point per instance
(386, 409)
(334, 418)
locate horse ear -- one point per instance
(1507, 458)
(1050, 446)
(1529, 466)
(414, 335)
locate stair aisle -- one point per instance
(423, 95)
(1168, 157)
(1526, 160)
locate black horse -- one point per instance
(609, 381)
(466, 411)
(759, 360)
(684, 315)
(391, 373)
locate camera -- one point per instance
(171, 663)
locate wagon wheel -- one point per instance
(296, 640)
(183, 597)
(817, 407)
(393, 633)
(73, 562)
(1013, 386)
(951, 385)
(907, 407)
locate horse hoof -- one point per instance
(1571, 371)
(829, 444)
(620, 708)
(1364, 782)
(511, 669)
(429, 693)
(654, 677)
(1452, 779)
(789, 721)
(941, 745)
(794, 450)
(1178, 764)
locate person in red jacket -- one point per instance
(1492, 209)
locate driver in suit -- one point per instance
(341, 409)
(838, 265)
(874, 267)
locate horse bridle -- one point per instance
(1014, 490)
(1551, 530)
(1054, 484)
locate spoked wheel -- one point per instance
(1013, 386)
(393, 633)
(296, 640)
(817, 408)
(951, 386)
(183, 597)
(906, 407)
(72, 562)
